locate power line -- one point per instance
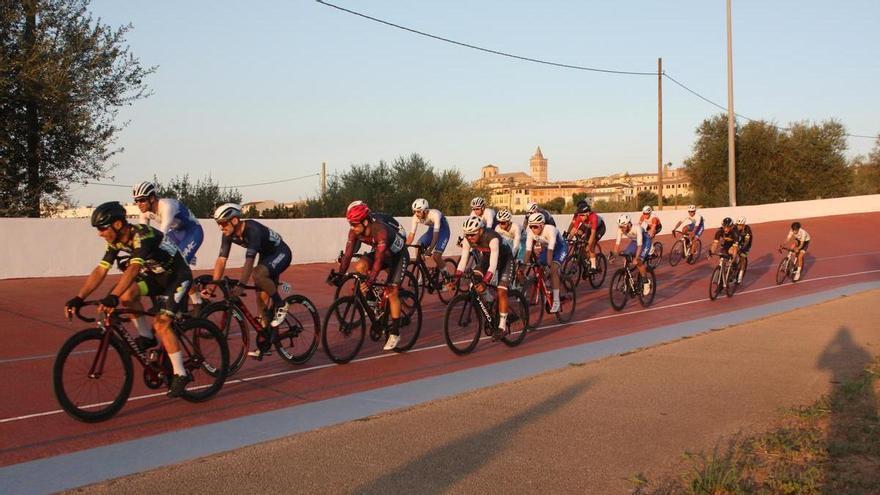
(487, 50)
(279, 181)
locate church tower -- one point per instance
(538, 166)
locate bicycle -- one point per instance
(724, 276)
(577, 267)
(343, 338)
(474, 312)
(656, 255)
(539, 296)
(348, 283)
(93, 375)
(682, 249)
(787, 266)
(628, 282)
(432, 279)
(296, 339)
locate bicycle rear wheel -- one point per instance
(344, 330)
(231, 322)
(567, 301)
(462, 324)
(618, 292)
(646, 300)
(205, 357)
(297, 337)
(98, 398)
(571, 269)
(517, 319)
(597, 277)
(696, 248)
(444, 276)
(676, 254)
(715, 283)
(410, 321)
(731, 280)
(657, 256)
(782, 271)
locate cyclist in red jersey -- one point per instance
(389, 253)
(586, 224)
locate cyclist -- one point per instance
(638, 247)
(510, 232)
(534, 208)
(435, 239)
(745, 244)
(174, 220)
(799, 240)
(586, 224)
(548, 240)
(650, 222)
(693, 224)
(275, 256)
(389, 253)
(156, 268)
(478, 208)
(727, 237)
(494, 259)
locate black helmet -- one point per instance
(727, 222)
(107, 213)
(583, 206)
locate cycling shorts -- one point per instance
(558, 254)
(804, 246)
(646, 248)
(277, 262)
(504, 276)
(169, 288)
(188, 241)
(442, 240)
(394, 265)
(600, 232)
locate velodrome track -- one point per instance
(844, 251)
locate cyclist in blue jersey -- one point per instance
(435, 239)
(693, 224)
(639, 247)
(478, 208)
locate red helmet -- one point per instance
(357, 213)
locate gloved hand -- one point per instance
(110, 301)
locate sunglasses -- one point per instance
(535, 227)
(142, 200)
(103, 228)
(354, 224)
(472, 235)
(223, 223)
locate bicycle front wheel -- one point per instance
(344, 330)
(462, 324)
(618, 292)
(676, 254)
(444, 276)
(731, 280)
(656, 256)
(410, 321)
(205, 357)
(100, 396)
(231, 322)
(297, 336)
(571, 270)
(696, 248)
(517, 319)
(647, 299)
(715, 283)
(782, 271)
(535, 300)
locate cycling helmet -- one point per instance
(537, 219)
(357, 212)
(583, 206)
(107, 213)
(420, 204)
(647, 210)
(504, 216)
(741, 221)
(623, 220)
(353, 204)
(478, 202)
(143, 190)
(533, 207)
(472, 225)
(226, 211)
(692, 208)
(727, 222)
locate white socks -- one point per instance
(177, 363)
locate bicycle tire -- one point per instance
(445, 276)
(517, 319)
(657, 257)
(571, 269)
(222, 314)
(715, 284)
(296, 339)
(350, 333)
(696, 249)
(782, 271)
(415, 270)
(676, 254)
(567, 301)
(646, 301)
(618, 292)
(65, 368)
(597, 278)
(535, 300)
(460, 315)
(204, 350)
(730, 290)
(411, 321)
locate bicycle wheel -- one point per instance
(618, 292)
(414, 270)
(517, 319)
(344, 330)
(731, 280)
(646, 300)
(715, 283)
(92, 399)
(657, 255)
(743, 267)
(696, 248)
(297, 337)
(782, 271)
(571, 270)
(410, 283)
(676, 254)
(444, 276)
(597, 278)
(205, 357)
(462, 324)
(410, 320)
(535, 300)
(567, 301)
(232, 324)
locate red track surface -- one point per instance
(32, 329)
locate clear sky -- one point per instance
(257, 91)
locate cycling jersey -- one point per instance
(175, 221)
(387, 242)
(492, 255)
(640, 241)
(745, 239)
(550, 239)
(727, 239)
(437, 221)
(256, 238)
(583, 224)
(693, 222)
(511, 237)
(801, 236)
(648, 220)
(488, 217)
(148, 248)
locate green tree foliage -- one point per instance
(866, 172)
(201, 197)
(63, 77)
(646, 198)
(805, 161)
(555, 205)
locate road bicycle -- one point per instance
(295, 339)
(724, 276)
(93, 373)
(348, 282)
(345, 325)
(627, 282)
(787, 266)
(536, 287)
(682, 249)
(577, 267)
(474, 312)
(434, 279)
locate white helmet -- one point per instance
(692, 208)
(623, 220)
(647, 210)
(226, 211)
(420, 204)
(533, 207)
(478, 202)
(537, 219)
(472, 224)
(504, 216)
(143, 189)
(741, 221)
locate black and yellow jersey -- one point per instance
(148, 248)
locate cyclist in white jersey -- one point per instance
(799, 240)
(639, 246)
(548, 240)
(478, 208)
(437, 236)
(693, 224)
(510, 232)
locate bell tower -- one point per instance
(538, 166)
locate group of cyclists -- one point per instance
(156, 253)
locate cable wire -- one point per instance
(279, 181)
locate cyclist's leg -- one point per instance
(267, 274)
(175, 288)
(131, 299)
(442, 241)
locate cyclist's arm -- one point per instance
(530, 244)
(412, 231)
(128, 277)
(219, 268)
(516, 238)
(168, 212)
(434, 240)
(494, 250)
(465, 255)
(247, 269)
(94, 281)
(351, 245)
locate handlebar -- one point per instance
(117, 314)
(224, 284)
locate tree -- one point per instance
(201, 198)
(707, 167)
(646, 198)
(555, 205)
(63, 77)
(866, 172)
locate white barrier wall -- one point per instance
(48, 247)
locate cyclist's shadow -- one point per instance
(758, 267)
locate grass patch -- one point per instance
(831, 446)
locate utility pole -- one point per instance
(659, 133)
(731, 116)
(323, 179)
